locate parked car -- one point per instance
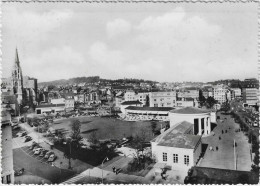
(38, 151)
(19, 134)
(43, 152)
(19, 172)
(28, 138)
(36, 148)
(52, 158)
(47, 155)
(33, 145)
(23, 134)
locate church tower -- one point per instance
(17, 79)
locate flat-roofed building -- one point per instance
(7, 173)
(177, 148)
(50, 108)
(162, 99)
(129, 103)
(200, 118)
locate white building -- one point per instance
(220, 93)
(162, 99)
(177, 148)
(201, 119)
(237, 92)
(58, 101)
(49, 108)
(7, 172)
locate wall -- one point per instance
(157, 152)
(7, 153)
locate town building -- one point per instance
(9, 103)
(221, 93)
(7, 165)
(69, 101)
(200, 118)
(177, 148)
(250, 91)
(186, 102)
(237, 92)
(162, 99)
(149, 113)
(50, 108)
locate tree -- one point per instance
(75, 130)
(210, 102)
(147, 102)
(202, 99)
(93, 137)
(225, 107)
(138, 143)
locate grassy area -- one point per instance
(109, 128)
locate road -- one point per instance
(224, 158)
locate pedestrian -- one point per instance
(219, 138)
(216, 148)
(222, 131)
(226, 131)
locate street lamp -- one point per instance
(106, 159)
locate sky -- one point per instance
(165, 42)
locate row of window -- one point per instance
(176, 158)
(6, 179)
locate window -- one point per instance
(2, 179)
(8, 179)
(154, 99)
(164, 156)
(175, 158)
(186, 159)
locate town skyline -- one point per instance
(190, 45)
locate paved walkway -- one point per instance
(224, 157)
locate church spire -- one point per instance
(16, 57)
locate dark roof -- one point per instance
(50, 105)
(149, 108)
(190, 110)
(131, 103)
(122, 87)
(207, 175)
(177, 136)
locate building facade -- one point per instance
(177, 148)
(7, 173)
(162, 99)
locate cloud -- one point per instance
(34, 25)
(118, 27)
(55, 63)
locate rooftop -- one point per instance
(131, 102)
(50, 105)
(189, 110)
(149, 108)
(178, 136)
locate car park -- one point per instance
(47, 155)
(52, 158)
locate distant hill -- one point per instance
(92, 79)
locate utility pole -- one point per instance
(235, 156)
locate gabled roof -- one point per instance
(178, 136)
(189, 110)
(131, 103)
